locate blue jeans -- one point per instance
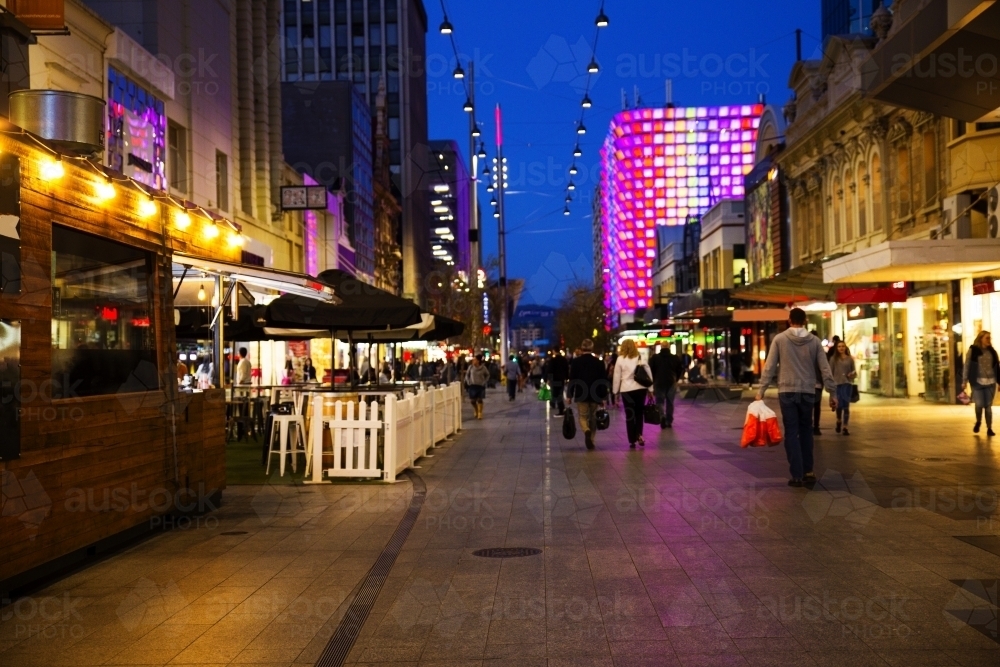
(844, 392)
(796, 415)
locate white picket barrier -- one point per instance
(409, 428)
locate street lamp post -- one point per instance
(501, 179)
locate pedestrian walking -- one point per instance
(667, 370)
(844, 371)
(611, 361)
(556, 374)
(633, 394)
(476, 379)
(536, 373)
(512, 371)
(981, 372)
(793, 359)
(587, 385)
(818, 405)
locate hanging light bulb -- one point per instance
(489, 188)
(212, 230)
(52, 170)
(106, 190)
(201, 293)
(586, 103)
(571, 186)
(147, 207)
(486, 171)
(593, 67)
(569, 198)
(496, 214)
(573, 170)
(475, 130)
(468, 105)
(459, 73)
(602, 19)
(447, 28)
(581, 129)
(493, 201)
(482, 151)
(577, 152)
(566, 211)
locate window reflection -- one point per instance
(103, 340)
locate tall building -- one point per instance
(328, 136)
(665, 167)
(365, 42)
(450, 207)
(191, 109)
(847, 17)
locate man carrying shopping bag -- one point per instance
(796, 358)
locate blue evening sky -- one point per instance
(532, 58)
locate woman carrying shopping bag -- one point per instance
(632, 381)
(981, 372)
(844, 372)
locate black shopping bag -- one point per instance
(569, 425)
(603, 420)
(651, 413)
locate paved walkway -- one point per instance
(688, 552)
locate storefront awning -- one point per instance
(803, 283)
(282, 281)
(913, 261)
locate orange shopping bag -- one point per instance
(761, 427)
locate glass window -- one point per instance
(10, 390)
(177, 157)
(876, 194)
(10, 224)
(103, 340)
(391, 34)
(930, 166)
(222, 180)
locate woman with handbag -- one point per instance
(632, 381)
(844, 372)
(982, 372)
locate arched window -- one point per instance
(862, 200)
(878, 205)
(835, 203)
(849, 206)
(930, 166)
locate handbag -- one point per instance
(545, 394)
(855, 394)
(603, 419)
(641, 376)
(651, 413)
(569, 425)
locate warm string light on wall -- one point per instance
(53, 168)
(593, 68)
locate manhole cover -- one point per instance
(932, 459)
(506, 552)
(235, 532)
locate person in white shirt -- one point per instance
(244, 369)
(632, 393)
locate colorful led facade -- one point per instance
(663, 167)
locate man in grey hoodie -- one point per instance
(798, 360)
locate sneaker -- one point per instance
(845, 431)
(975, 429)
(990, 432)
(838, 427)
(795, 482)
(588, 439)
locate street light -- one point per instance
(468, 105)
(447, 28)
(577, 152)
(482, 151)
(593, 67)
(602, 19)
(573, 170)
(586, 103)
(581, 128)
(459, 73)
(566, 211)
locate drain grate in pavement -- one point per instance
(932, 459)
(234, 532)
(506, 552)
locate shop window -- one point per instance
(103, 339)
(177, 157)
(877, 200)
(930, 167)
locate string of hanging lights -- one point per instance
(593, 68)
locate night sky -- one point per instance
(532, 58)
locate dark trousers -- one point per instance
(818, 408)
(512, 389)
(665, 399)
(557, 401)
(634, 403)
(796, 415)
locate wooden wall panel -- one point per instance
(97, 447)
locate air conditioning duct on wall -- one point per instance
(71, 122)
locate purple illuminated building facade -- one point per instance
(665, 167)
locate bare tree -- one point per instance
(581, 314)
